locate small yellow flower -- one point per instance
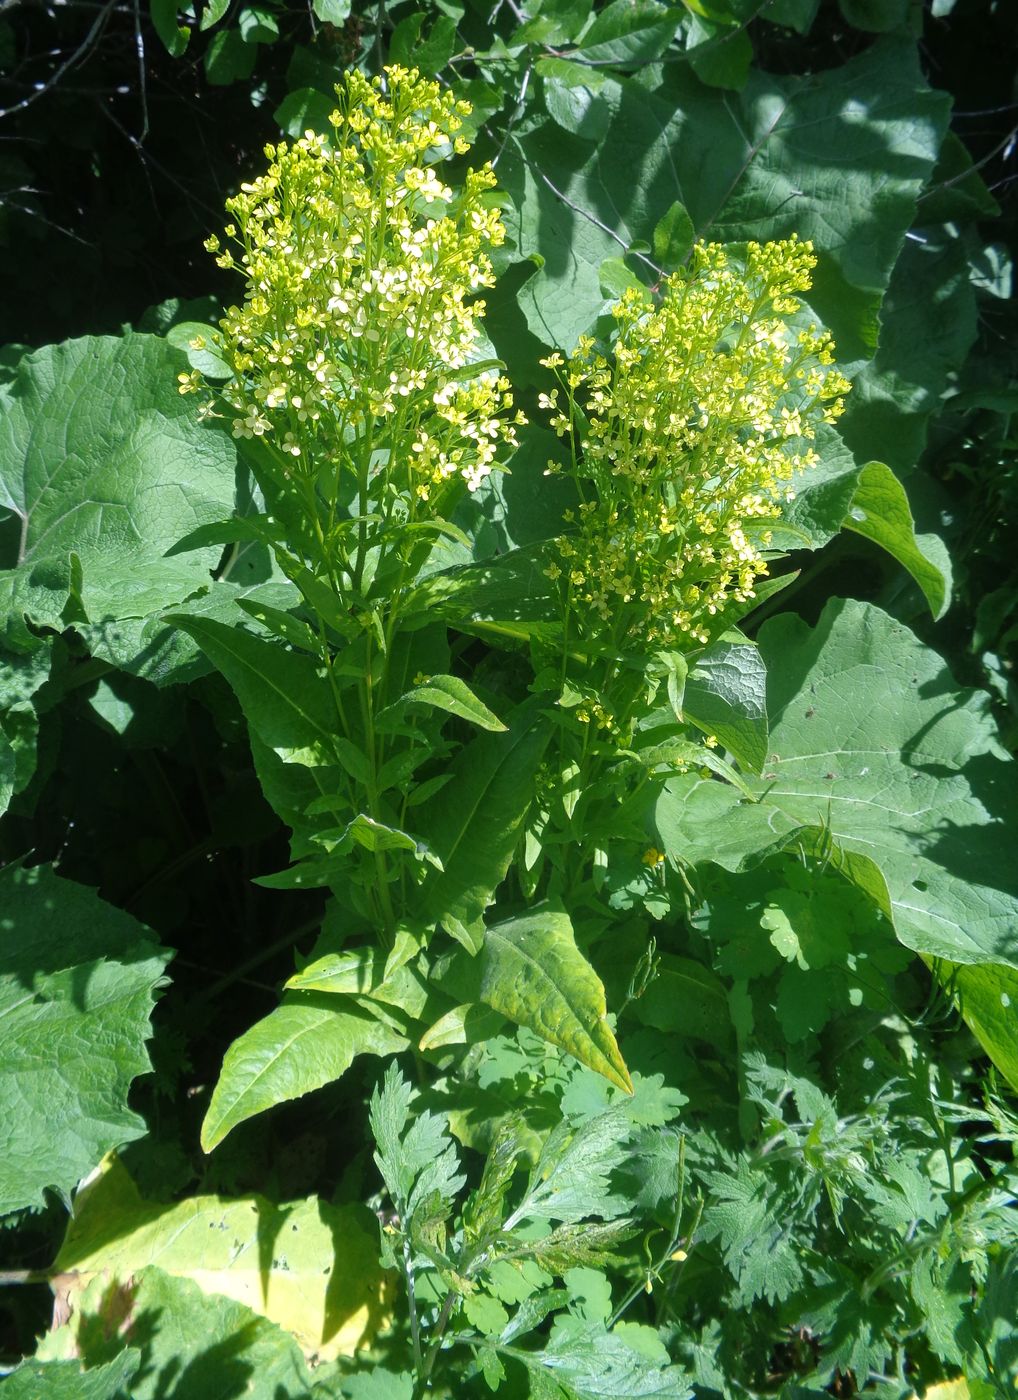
(652, 858)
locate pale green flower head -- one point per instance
(688, 438)
(361, 321)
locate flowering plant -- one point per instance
(357, 362)
(358, 383)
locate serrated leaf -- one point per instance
(588, 1362)
(67, 1380)
(102, 456)
(305, 1043)
(570, 1181)
(208, 1341)
(416, 1156)
(869, 736)
(77, 985)
(532, 972)
(311, 1268)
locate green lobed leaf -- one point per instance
(869, 736)
(305, 1043)
(585, 1361)
(77, 984)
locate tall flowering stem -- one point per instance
(685, 432)
(356, 353)
(357, 379)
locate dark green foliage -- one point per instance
(660, 1005)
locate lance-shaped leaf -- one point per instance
(305, 1043)
(77, 984)
(289, 709)
(446, 693)
(880, 511)
(873, 743)
(530, 970)
(987, 998)
(309, 1267)
(474, 822)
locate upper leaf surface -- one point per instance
(99, 454)
(210, 1344)
(533, 973)
(838, 157)
(310, 1267)
(871, 737)
(77, 984)
(302, 1045)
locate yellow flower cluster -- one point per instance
(359, 341)
(687, 437)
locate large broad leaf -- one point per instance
(474, 822)
(204, 1347)
(101, 456)
(77, 984)
(927, 325)
(310, 1268)
(21, 676)
(838, 157)
(305, 1043)
(872, 740)
(67, 1380)
(530, 970)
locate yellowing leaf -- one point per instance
(533, 973)
(311, 1268)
